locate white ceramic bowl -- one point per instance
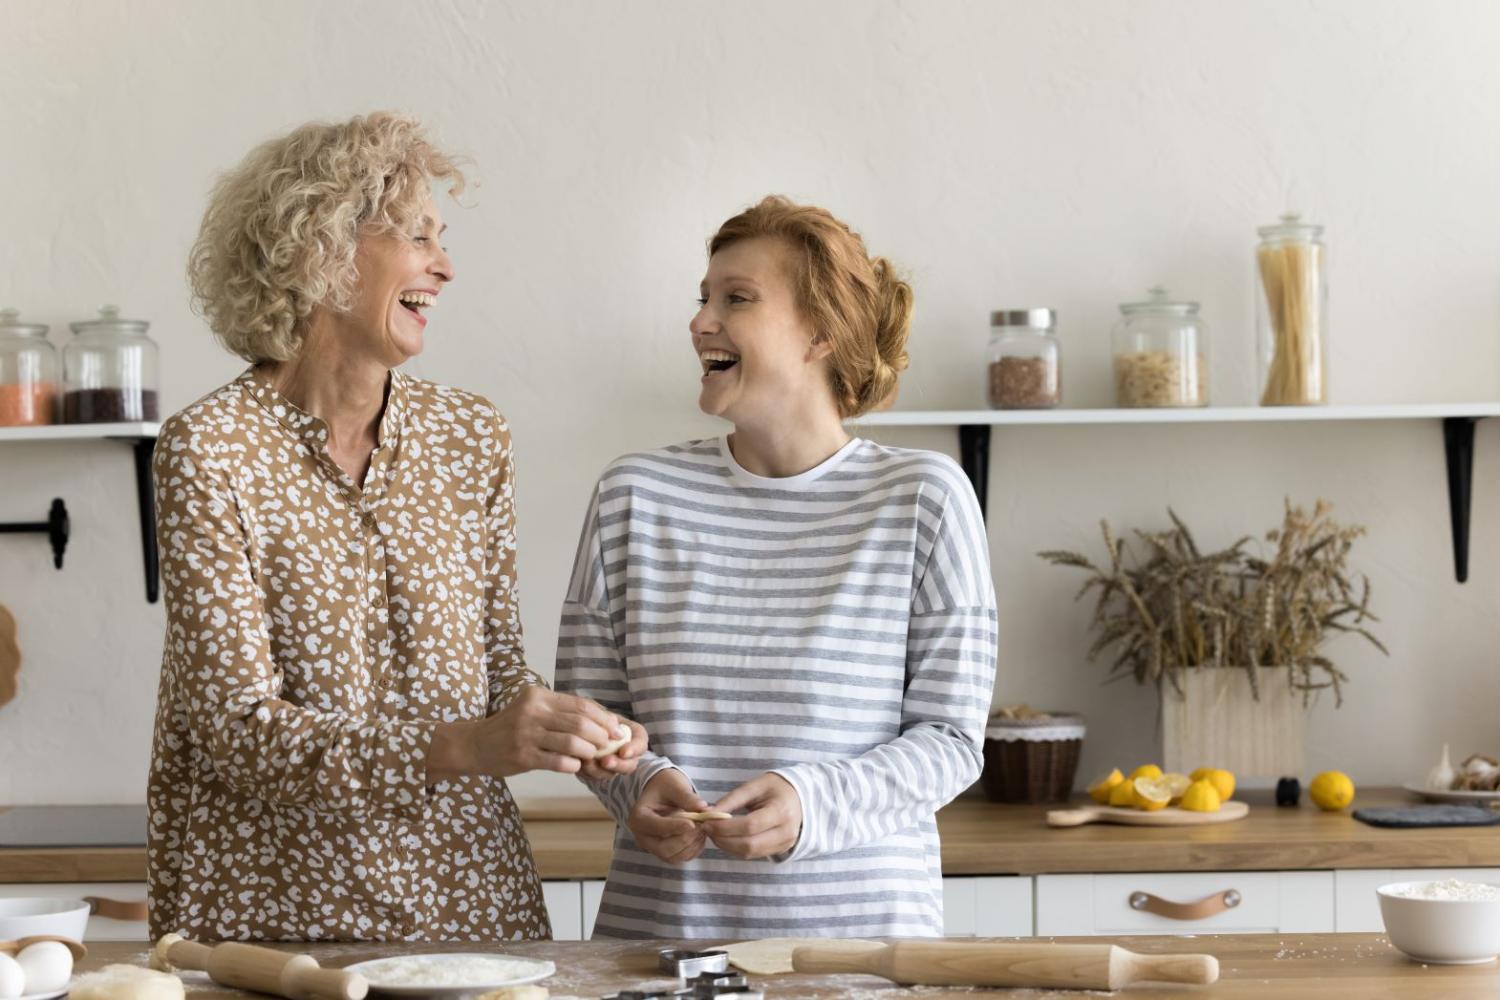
(23, 916)
(1440, 931)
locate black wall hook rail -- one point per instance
(55, 528)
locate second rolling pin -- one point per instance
(981, 963)
(265, 970)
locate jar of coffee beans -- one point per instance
(28, 373)
(109, 371)
(1025, 360)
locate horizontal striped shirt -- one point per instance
(836, 627)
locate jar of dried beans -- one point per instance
(109, 371)
(1160, 353)
(28, 373)
(1025, 360)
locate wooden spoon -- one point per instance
(14, 947)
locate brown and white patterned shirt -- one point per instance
(317, 632)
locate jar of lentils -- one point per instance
(1025, 360)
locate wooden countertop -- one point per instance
(572, 839)
(1251, 967)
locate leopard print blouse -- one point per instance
(317, 631)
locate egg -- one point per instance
(12, 979)
(47, 965)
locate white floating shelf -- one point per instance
(79, 432)
(1182, 415)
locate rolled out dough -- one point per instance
(126, 982)
(773, 956)
(622, 737)
(699, 817)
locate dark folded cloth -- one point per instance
(1408, 816)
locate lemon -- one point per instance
(1331, 790)
(1201, 797)
(1146, 771)
(1123, 794)
(1222, 780)
(1152, 794)
(1100, 789)
(1177, 784)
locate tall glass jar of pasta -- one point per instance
(1291, 314)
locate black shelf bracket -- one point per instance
(974, 456)
(145, 500)
(55, 528)
(1458, 449)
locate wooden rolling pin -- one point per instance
(265, 970)
(979, 963)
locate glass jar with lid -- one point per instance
(1025, 360)
(109, 371)
(1160, 353)
(28, 373)
(1291, 314)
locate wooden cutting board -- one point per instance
(1170, 816)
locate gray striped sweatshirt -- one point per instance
(837, 628)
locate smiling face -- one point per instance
(400, 276)
(754, 344)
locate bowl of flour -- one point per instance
(1447, 922)
(450, 975)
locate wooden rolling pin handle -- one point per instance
(303, 979)
(1131, 967)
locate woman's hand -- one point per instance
(675, 841)
(623, 760)
(772, 825)
(539, 730)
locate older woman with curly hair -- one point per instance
(343, 686)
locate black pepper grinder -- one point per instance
(1288, 792)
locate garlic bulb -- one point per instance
(1440, 778)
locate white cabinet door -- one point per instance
(565, 909)
(593, 891)
(99, 928)
(987, 907)
(1240, 903)
(1356, 906)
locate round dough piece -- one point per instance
(773, 956)
(622, 737)
(527, 992)
(127, 982)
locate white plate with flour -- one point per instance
(450, 975)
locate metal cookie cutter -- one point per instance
(686, 965)
(712, 985)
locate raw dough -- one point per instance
(699, 817)
(531, 992)
(773, 956)
(622, 737)
(126, 982)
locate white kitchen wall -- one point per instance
(1007, 154)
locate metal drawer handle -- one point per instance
(1208, 906)
(115, 909)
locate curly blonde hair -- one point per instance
(280, 231)
(855, 302)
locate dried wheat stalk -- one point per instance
(1173, 607)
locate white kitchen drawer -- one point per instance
(1268, 902)
(593, 891)
(987, 907)
(99, 928)
(1356, 907)
(565, 909)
